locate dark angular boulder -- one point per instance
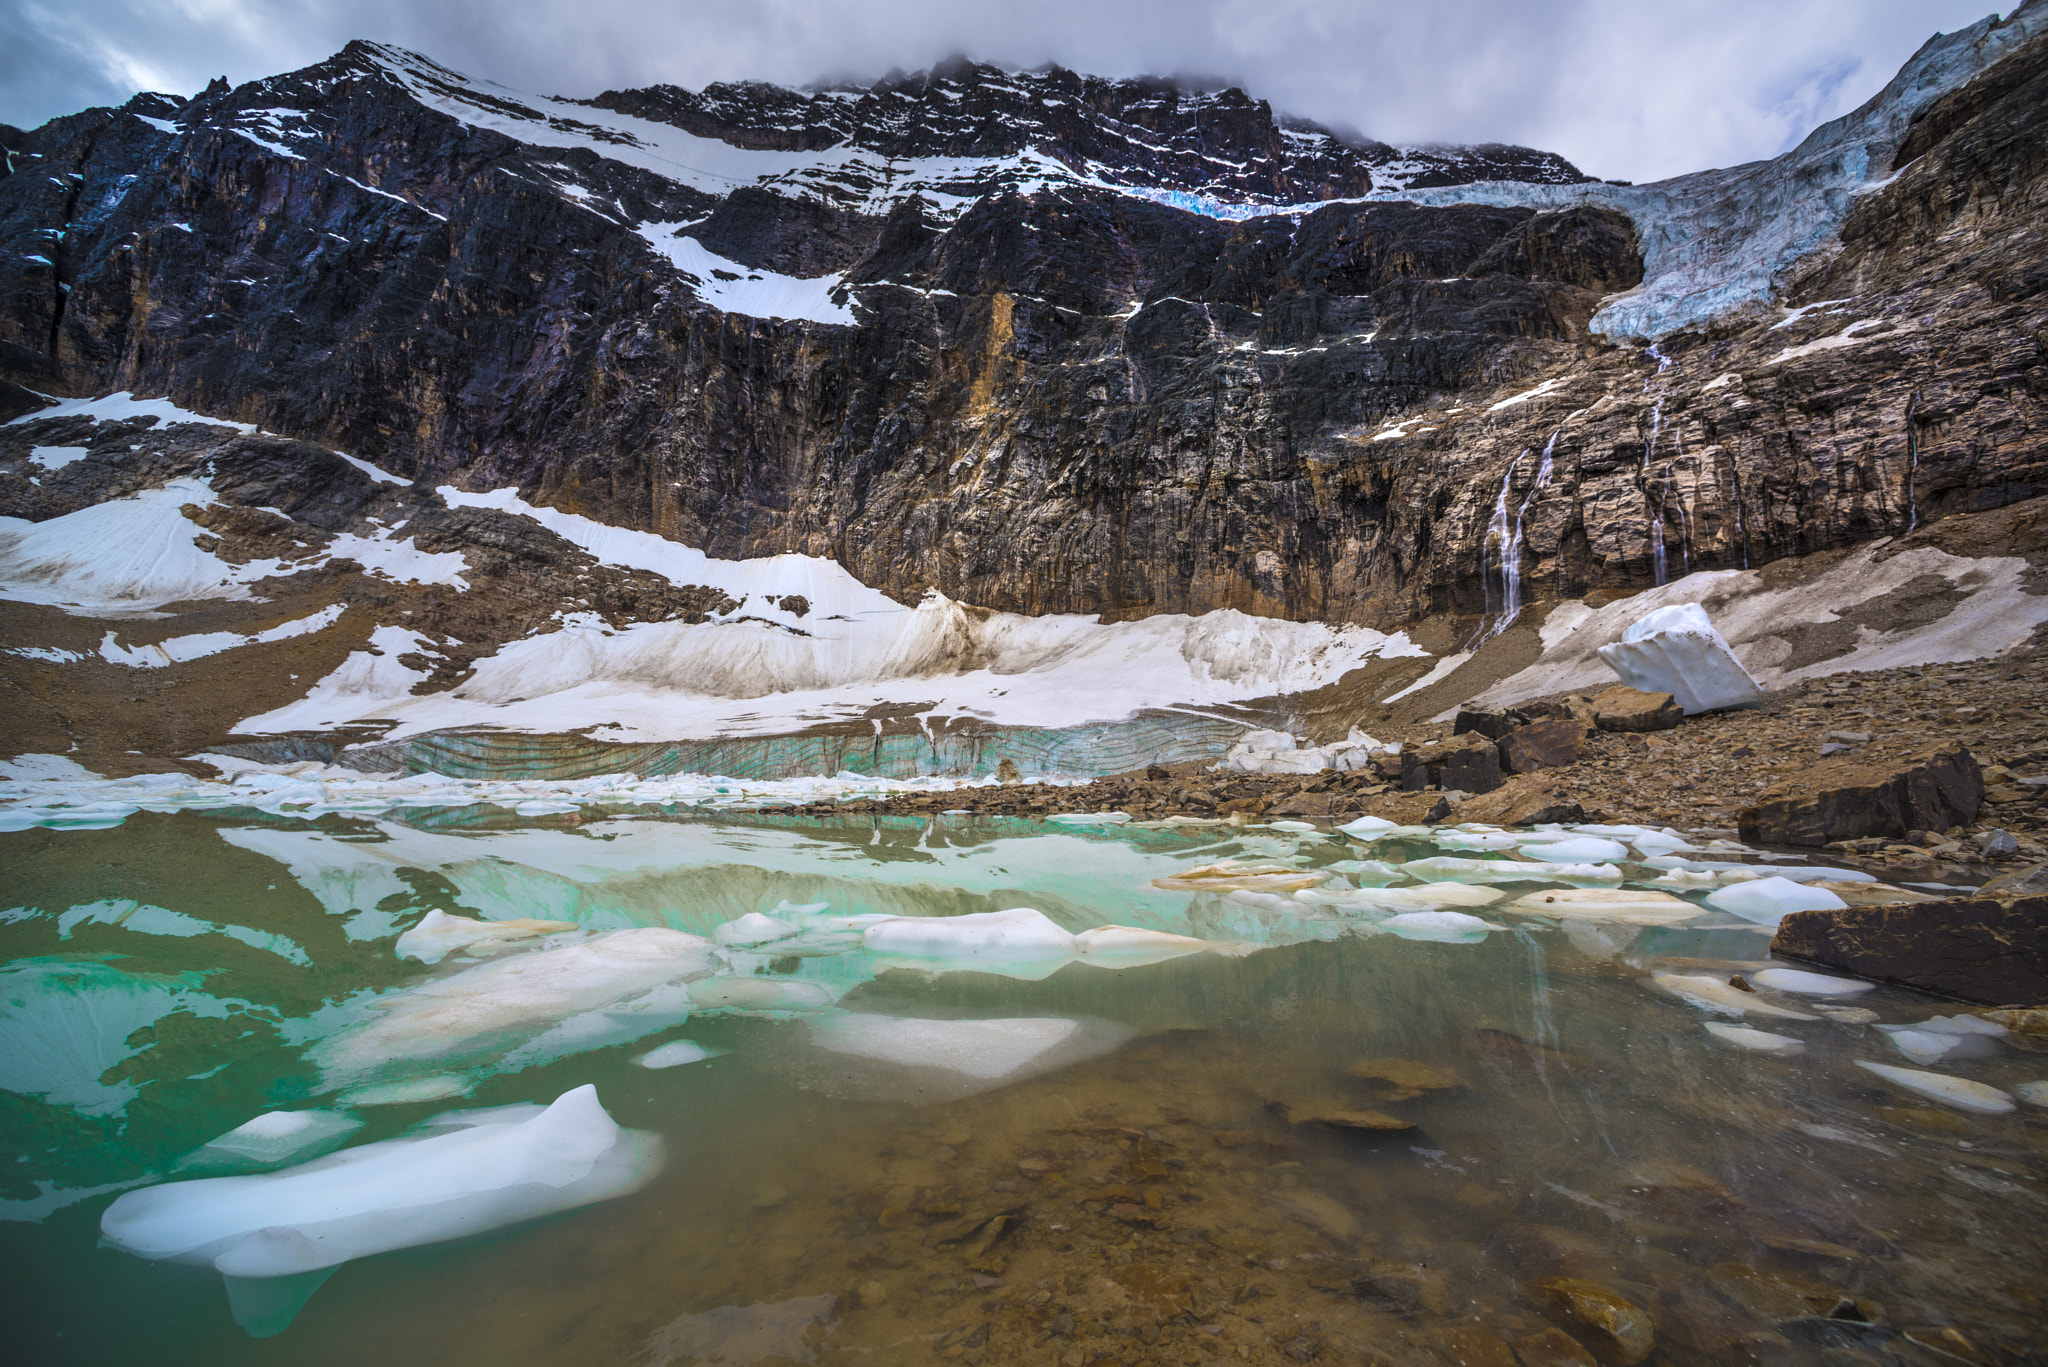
(1547, 744)
(1976, 949)
(1468, 763)
(1850, 797)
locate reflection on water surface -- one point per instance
(1330, 1133)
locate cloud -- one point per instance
(1622, 88)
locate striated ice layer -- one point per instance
(1676, 650)
(399, 1193)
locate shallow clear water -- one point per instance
(1173, 1191)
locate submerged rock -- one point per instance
(1620, 1326)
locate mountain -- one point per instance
(967, 410)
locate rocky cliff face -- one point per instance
(1042, 342)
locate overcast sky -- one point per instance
(1634, 89)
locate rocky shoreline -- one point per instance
(1700, 775)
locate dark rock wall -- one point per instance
(1063, 401)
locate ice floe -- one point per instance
(273, 1139)
(472, 1016)
(1717, 994)
(1453, 869)
(1133, 947)
(978, 1048)
(1019, 942)
(1444, 927)
(1954, 1091)
(1768, 901)
(1627, 906)
(398, 1193)
(675, 1054)
(1583, 849)
(1757, 1041)
(438, 935)
(1808, 984)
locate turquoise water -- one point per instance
(1190, 1174)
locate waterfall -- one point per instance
(1651, 501)
(1496, 540)
(1507, 537)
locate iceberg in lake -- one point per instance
(1021, 942)
(478, 1014)
(276, 1236)
(1768, 901)
(272, 1140)
(438, 935)
(1676, 650)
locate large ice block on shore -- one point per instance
(491, 1172)
(1676, 650)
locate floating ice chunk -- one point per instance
(743, 995)
(753, 929)
(1443, 927)
(1680, 878)
(1955, 1091)
(1227, 877)
(675, 1054)
(438, 935)
(274, 1139)
(1768, 901)
(1291, 825)
(1628, 906)
(1366, 871)
(1579, 850)
(1478, 840)
(1509, 871)
(1922, 1046)
(978, 1048)
(1425, 897)
(1018, 933)
(1717, 995)
(1808, 984)
(483, 1011)
(1090, 818)
(1131, 947)
(1761, 1041)
(399, 1193)
(408, 1091)
(2033, 1093)
(1676, 650)
(1368, 826)
(1963, 1024)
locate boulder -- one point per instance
(1850, 797)
(1622, 708)
(1492, 725)
(1676, 650)
(1975, 949)
(1525, 801)
(2027, 882)
(1548, 744)
(1467, 763)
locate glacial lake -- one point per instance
(1335, 1131)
